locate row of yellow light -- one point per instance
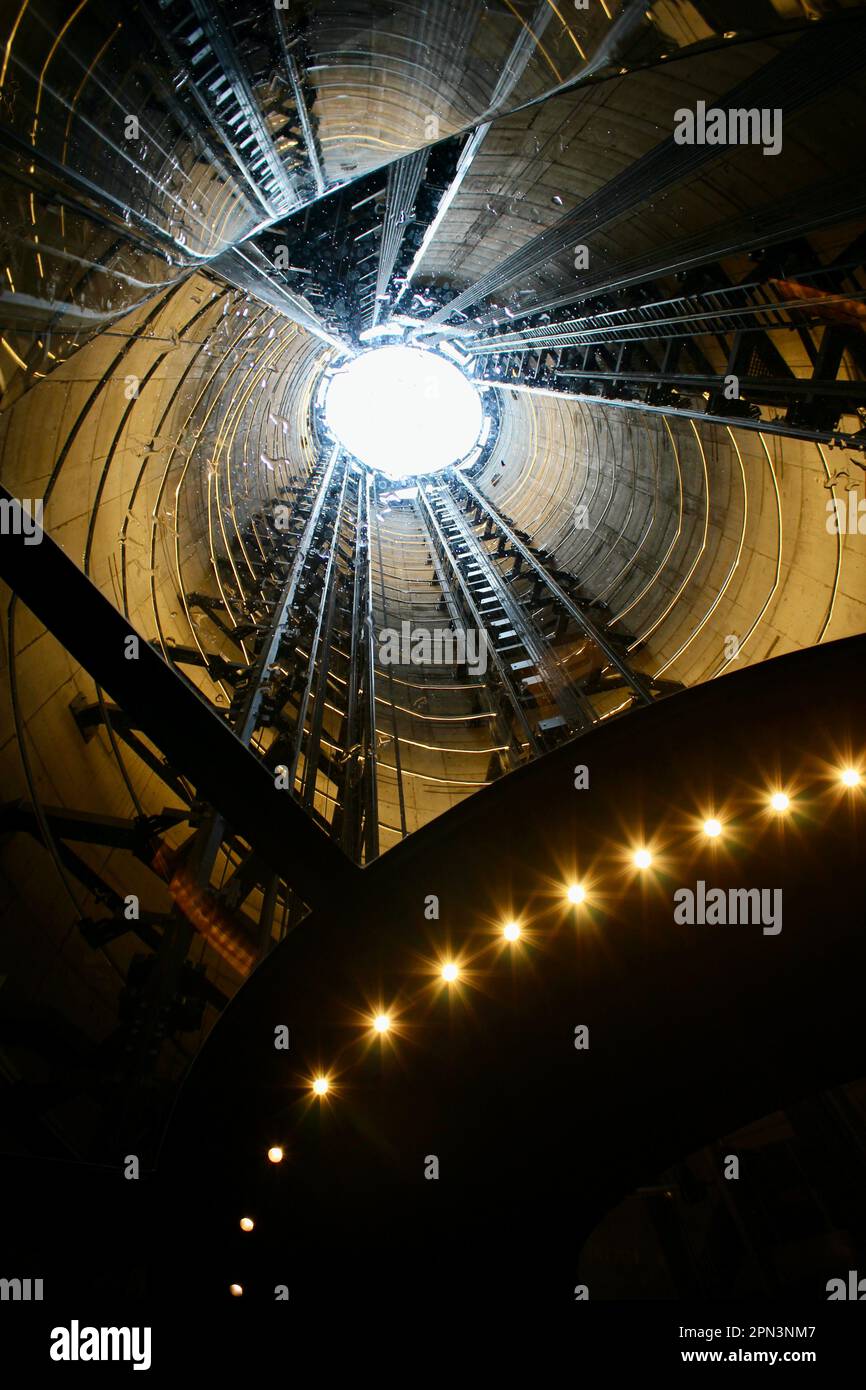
(778, 802)
(642, 859)
(712, 827)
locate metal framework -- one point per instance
(558, 671)
(195, 738)
(323, 751)
(795, 77)
(404, 180)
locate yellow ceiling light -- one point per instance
(642, 858)
(712, 828)
(511, 931)
(247, 1223)
(450, 972)
(780, 801)
(575, 894)
(275, 1154)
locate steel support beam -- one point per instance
(222, 45)
(799, 74)
(749, 308)
(574, 709)
(319, 662)
(371, 817)
(636, 682)
(92, 716)
(248, 268)
(766, 390)
(300, 104)
(85, 827)
(404, 180)
(437, 538)
(830, 202)
(740, 422)
(247, 723)
(354, 730)
(513, 69)
(172, 713)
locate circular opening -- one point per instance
(403, 411)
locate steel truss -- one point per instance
(196, 740)
(557, 672)
(721, 345)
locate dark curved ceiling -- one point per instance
(691, 1031)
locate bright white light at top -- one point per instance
(403, 410)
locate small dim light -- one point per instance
(642, 858)
(236, 1290)
(321, 1085)
(275, 1154)
(511, 931)
(382, 1023)
(576, 894)
(850, 777)
(779, 801)
(712, 828)
(247, 1223)
(450, 971)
